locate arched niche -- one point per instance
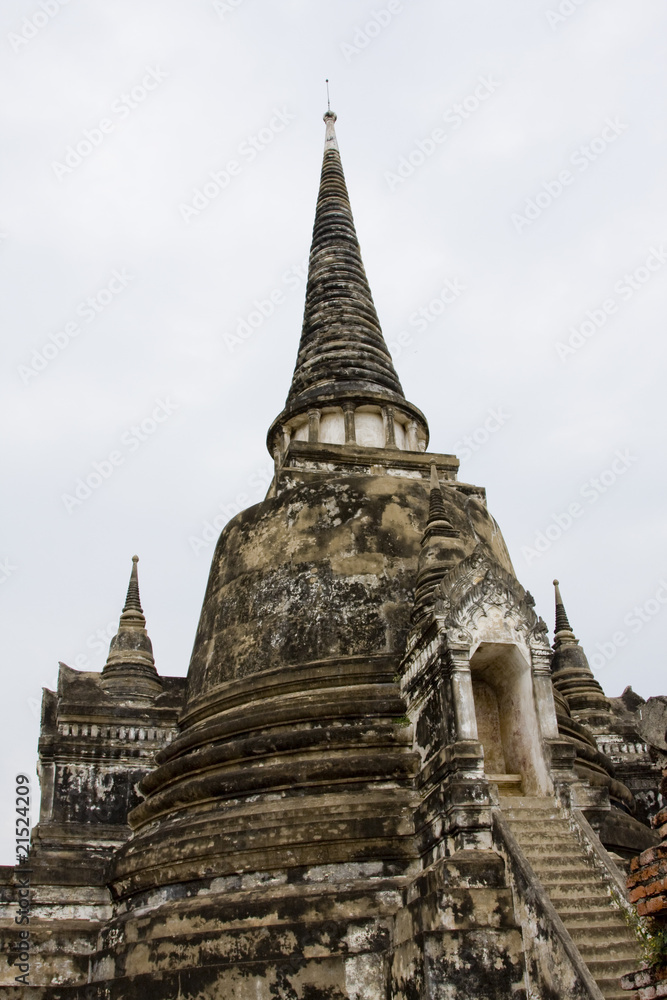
(507, 722)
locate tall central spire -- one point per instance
(342, 354)
(341, 341)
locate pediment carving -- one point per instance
(479, 588)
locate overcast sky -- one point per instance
(506, 166)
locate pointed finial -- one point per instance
(562, 624)
(330, 117)
(437, 549)
(330, 141)
(130, 667)
(572, 675)
(437, 521)
(132, 601)
(436, 502)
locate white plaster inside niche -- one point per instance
(300, 433)
(400, 436)
(505, 667)
(369, 428)
(332, 427)
(487, 713)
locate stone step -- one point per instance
(529, 821)
(622, 951)
(558, 838)
(565, 888)
(554, 859)
(533, 802)
(530, 817)
(539, 822)
(581, 899)
(558, 877)
(508, 784)
(536, 821)
(567, 872)
(611, 989)
(549, 832)
(536, 837)
(540, 838)
(546, 844)
(559, 861)
(604, 919)
(590, 903)
(582, 903)
(551, 858)
(593, 936)
(552, 863)
(598, 904)
(582, 918)
(513, 809)
(610, 969)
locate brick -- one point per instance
(650, 907)
(660, 818)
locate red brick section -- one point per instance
(648, 984)
(647, 883)
(647, 888)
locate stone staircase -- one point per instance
(578, 889)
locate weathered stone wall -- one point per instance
(95, 747)
(327, 568)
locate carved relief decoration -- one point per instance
(468, 593)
